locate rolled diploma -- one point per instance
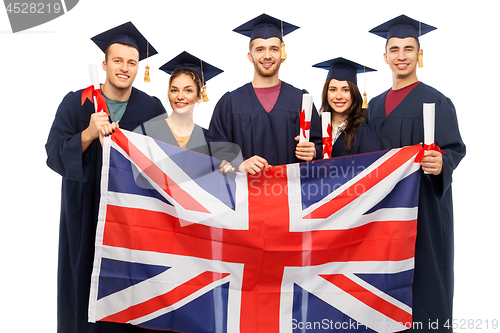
(94, 79)
(326, 118)
(429, 123)
(307, 103)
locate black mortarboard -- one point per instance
(342, 69)
(189, 61)
(402, 27)
(126, 34)
(265, 26)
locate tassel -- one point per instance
(283, 53)
(146, 75)
(204, 94)
(420, 52)
(420, 60)
(365, 101)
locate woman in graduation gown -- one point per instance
(185, 91)
(342, 99)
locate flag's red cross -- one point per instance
(265, 249)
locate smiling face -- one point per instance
(339, 96)
(121, 66)
(183, 94)
(265, 54)
(402, 56)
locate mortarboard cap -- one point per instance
(402, 27)
(265, 26)
(189, 61)
(126, 34)
(343, 69)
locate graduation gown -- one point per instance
(240, 118)
(433, 274)
(80, 202)
(366, 141)
(158, 129)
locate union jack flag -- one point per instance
(321, 246)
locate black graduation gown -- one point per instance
(80, 202)
(433, 274)
(240, 118)
(366, 142)
(158, 129)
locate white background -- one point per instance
(41, 65)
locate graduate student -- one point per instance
(396, 115)
(342, 99)
(75, 152)
(185, 91)
(262, 117)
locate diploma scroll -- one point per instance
(429, 123)
(94, 79)
(305, 117)
(326, 130)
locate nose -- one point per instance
(401, 54)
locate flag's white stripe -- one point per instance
(226, 220)
(335, 223)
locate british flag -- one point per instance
(326, 246)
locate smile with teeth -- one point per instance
(122, 76)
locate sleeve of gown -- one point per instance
(220, 133)
(447, 137)
(64, 145)
(369, 141)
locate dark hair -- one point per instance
(356, 115)
(106, 52)
(387, 42)
(196, 78)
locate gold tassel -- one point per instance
(365, 101)
(204, 87)
(146, 75)
(420, 61)
(204, 94)
(283, 53)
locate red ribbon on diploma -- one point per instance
(89, 93)
(420, 155)
(327, 142)
(304, 125)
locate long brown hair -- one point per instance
(356, 115)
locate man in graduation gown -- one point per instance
(397, 116)
(75, 152)
(263, 116)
